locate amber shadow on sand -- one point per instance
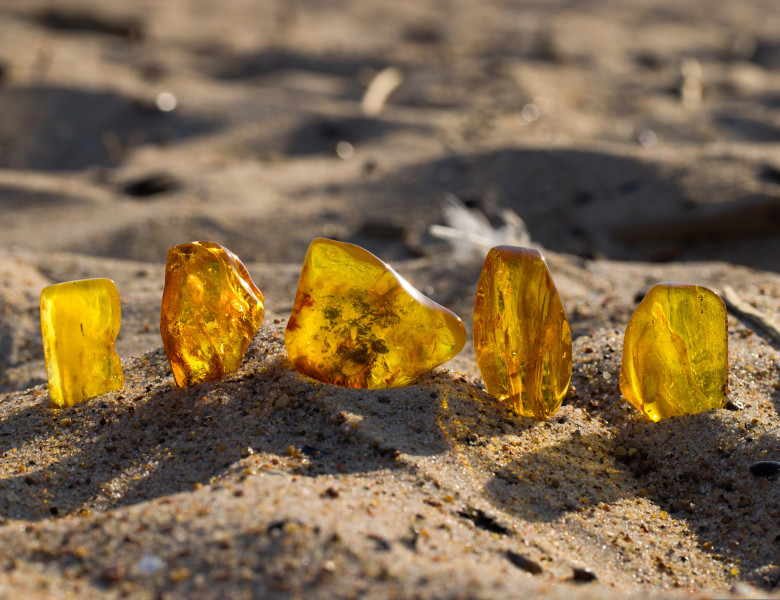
(711, 489)
(146, 442)
(161, 438)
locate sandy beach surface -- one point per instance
(639, 142)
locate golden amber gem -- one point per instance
(675, 352)
(79, 324)
(357, 323)
(210, 312)
(522, 338)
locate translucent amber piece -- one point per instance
(210, 312)
(357, 323)
(79, 323)
(675, 352)
(522, 338)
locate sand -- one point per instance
(639, 142)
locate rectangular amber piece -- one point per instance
(79, 324)
(675, 352)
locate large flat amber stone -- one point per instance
(357, 323)
(79, 324)
(522, 338)
(210, 312)
(675, 352)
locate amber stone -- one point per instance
(357, 323)
(522, 337)
(675, 352)
(210, 312)
(79, 324)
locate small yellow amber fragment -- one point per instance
(79, 324)
(522, 338)
(357, 323)
(210, 312)
(675, 352)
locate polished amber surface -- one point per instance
(522, 338)
(210, 312)
(357, 323)
(675, 352)
(79, 324)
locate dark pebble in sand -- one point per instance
(331, 492)
(483, 520)
(523, 562)
(765, 468)
(583, 575)
(732, 405)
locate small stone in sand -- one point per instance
(765, 468)
(583, 575)
(523, 562)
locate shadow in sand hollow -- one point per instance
(57, 128)
(19, 198)
(751, 130)
(572, 201)
(322, 135)
(273, 61)
(83, 21)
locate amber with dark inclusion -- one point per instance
(675, 352)
(210, 312)
(357, 323)
(79, 324)
(522, 337)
